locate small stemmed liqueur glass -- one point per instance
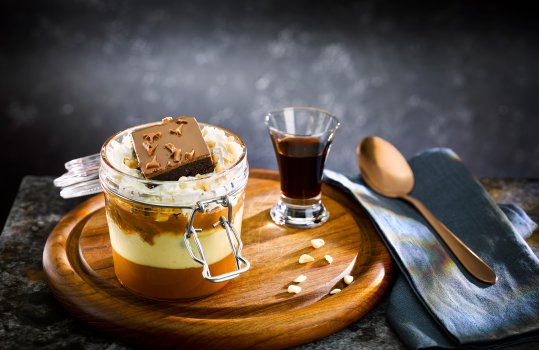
(301, 138)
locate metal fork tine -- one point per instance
(68, 179)
(82, 189)
(83, 161)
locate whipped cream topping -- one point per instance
(225, 150)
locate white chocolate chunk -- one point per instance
(335, 291)
(317, 243)
(328, 258)
(300, 278)
(293, 289)
(305, 258)
(348, 279)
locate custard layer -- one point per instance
(168, 249)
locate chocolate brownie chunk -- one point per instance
(172, 149)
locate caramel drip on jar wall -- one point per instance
(150, 221)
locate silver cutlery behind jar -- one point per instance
(81, 178)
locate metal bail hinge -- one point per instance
(242, 264)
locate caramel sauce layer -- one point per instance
(168, 284)
(150, 221)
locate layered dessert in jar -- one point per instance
(174, 193)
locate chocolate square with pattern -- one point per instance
(172, 149)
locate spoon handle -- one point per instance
(471, 262)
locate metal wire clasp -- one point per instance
(242, 264)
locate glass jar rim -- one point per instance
(105, 160)
(330, 115)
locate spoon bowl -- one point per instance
(384, 168)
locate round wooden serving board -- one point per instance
(253, 310)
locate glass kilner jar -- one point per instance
(176, 239)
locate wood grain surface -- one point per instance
(252, 311)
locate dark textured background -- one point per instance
(458, 74)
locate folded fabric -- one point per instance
(437, 303)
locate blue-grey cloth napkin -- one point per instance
(435, 302)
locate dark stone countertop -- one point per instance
(32, 318)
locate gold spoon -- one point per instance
(387, 172)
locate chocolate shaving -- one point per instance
(178, 130)
(189, 155)
(176, 153)
(153, 163)
(152, 136)
(150, 148)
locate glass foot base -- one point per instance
(299, 216)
